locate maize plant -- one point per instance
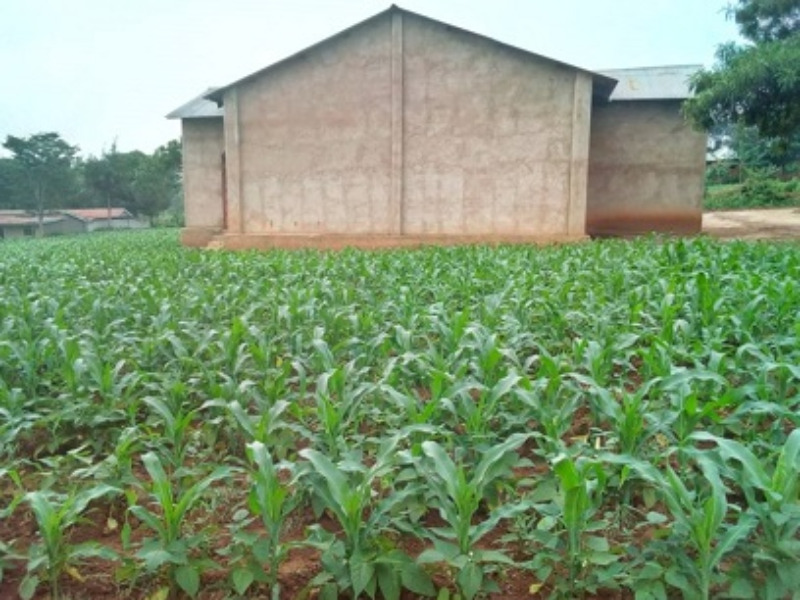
(560, 421)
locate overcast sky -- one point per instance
(97, 71)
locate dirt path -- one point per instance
(757, 224)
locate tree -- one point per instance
(144, 184)
(12, 184)
(158, 180)
(46, 162)
(109, 179)
(757, 84)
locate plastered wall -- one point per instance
(311, 140)
(405, 127)
(489, 144)
(646, 170)
(203, 145)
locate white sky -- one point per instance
(97, 71)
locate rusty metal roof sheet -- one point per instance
(198, 108)
(652, 83)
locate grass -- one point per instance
(572, 421)
(757, 194)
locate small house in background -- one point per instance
(23, 223)
(406, 130)
(105, 218)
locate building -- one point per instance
(105, 218)
(406, 130)
(22, 223)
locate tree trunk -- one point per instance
(40, 206)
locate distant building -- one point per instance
(104, 218)
(22, 223)
(406, 130)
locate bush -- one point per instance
(761, 189)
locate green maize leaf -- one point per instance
(732, 536)
(491, 466)
(337, 484)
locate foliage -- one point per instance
(757, 84)
(172, 545)
(363, 560)
(46, 162)
(273, 502)
(145, 185)
(12, 185)
(45, 172)
(54, 554)
(760, 190)
(457, 495)
(622, 411)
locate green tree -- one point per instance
(756, 84)
(157, 185)
(46, 162)
(147, 185)
(12, 184)
(109, 178)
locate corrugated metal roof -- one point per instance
(7, 220)
(198, 108)
(652, 83)
(97, 214)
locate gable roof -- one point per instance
(10, 218)
(653, 83)
(198, 108)
(603, 84)
(98, 214)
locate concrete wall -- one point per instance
(646, 170)
(203, 145)
(404, 126)
(11, 232)
(495, 141)
(101, 224)
(309, 143)
(66, 226)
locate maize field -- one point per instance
(614, 419)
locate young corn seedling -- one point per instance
(773, 498)
(550, 404)
(480, 417)
(273, 502)
(53, 555)
(565, 534)
(337, 412)
(458, 494)
(269, 426)
(701, 535)
(364, 559)
(167, 516)
(8, 555)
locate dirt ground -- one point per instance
(754, 224)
